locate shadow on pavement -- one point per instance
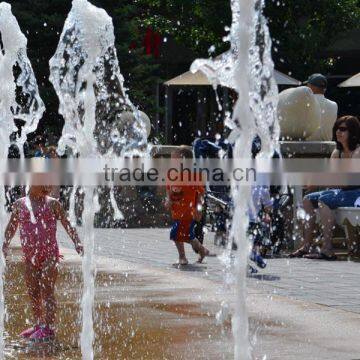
(264, 277)
(190, 267)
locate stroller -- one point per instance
(218, 203)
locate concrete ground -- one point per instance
(297, 308)
(334, 284)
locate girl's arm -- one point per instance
(356, 153)
(11, 229)
(335, 154)
(71, 231)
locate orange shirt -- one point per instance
(184, 200)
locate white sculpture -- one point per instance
(304, 115)
(328, 116)
(127, 118)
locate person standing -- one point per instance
(328, 109)
(185, 201)
(37, 216)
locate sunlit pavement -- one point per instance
(298, 308)
(302, 307)
(335, 284)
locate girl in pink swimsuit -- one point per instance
(37, 217)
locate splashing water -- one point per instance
(19, 93)
(19, 99)
(85, 64)
(86, 76)
(248, 68)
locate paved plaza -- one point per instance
(334, 284)
(298, 309)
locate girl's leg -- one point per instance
(32, 278)
(48, 280)
(328, 222)
(310, 224)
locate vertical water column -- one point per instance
(72, 73)
(19, 99)
(86, 76)
(241, 35)
(248, 68)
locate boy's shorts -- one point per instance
(255, 232)
(183, 231)
(259, 233)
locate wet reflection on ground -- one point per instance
(133, 320)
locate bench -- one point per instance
(349, 219)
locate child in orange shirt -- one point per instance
(184, 201)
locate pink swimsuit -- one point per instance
(38, 240)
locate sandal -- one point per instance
(299, 253)
(207, 254)
(183, 262)
(321, 256)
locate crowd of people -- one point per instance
(264, 204)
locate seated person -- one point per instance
(346, 134)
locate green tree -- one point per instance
(198, 24)
(301, 30)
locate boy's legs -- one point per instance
(176, 235)
(199, 249)
(48, 280)
(32, 279)
(181, 250)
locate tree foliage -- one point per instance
(199, 24)
(301, 30)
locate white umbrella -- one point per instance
(200, 79)
(220, 71)
(352, 82)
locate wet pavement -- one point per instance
(138, 315)
(147, 309)
(334, 284)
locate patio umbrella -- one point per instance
(200, 79)
(220, 71)
(352, 82)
